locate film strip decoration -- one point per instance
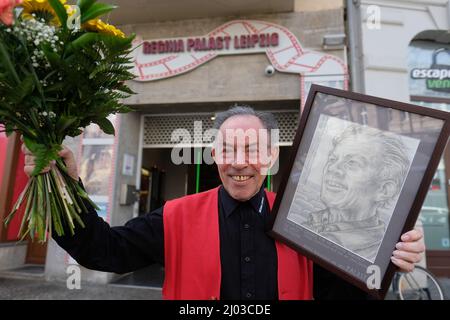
(164, 58)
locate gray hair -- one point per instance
(394, 160)
(268, 120)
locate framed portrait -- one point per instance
(359, 171)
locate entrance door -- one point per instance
(202, 177)
(12, 161)
(36, 252)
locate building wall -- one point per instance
(12, 255)
(128, 143)
(316, 5)
(238, 77)
(385, 49)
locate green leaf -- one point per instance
(60, 12)
(9, 129)
(82, 41)
(23, 90)
(64, 122)
(55, 87)
(6, 61)
(84, 5)
(96, 9)
(52, 57)
(43, 153)
(112, 42)
(105, 125)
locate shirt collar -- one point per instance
(230, 204)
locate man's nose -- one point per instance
(239, 165)
(239, 162)
(336, 169)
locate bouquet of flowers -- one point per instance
(61, 69)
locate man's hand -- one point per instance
(65, 154)
(409, 251)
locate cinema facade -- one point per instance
(190, 64)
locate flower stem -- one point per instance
(54, 201)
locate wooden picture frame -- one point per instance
(358, 174)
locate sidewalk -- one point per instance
(39, 289)
(445, 282)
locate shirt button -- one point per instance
(246, 226)
(247, 259)
(248, 295)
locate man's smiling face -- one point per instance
(238, 160)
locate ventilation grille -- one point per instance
(158, 129)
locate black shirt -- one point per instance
(248, 255)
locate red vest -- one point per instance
(192, 252)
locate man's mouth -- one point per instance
(240, 178)
(334, 185)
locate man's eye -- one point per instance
(332, 159)
(353, 163)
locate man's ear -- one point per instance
(386, 191)
(213, 154)
(274, 154)
(270, 162)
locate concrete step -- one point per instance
(27, 271)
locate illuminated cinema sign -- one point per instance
(157, 59)
(437, 76)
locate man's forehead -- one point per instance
(231, 143)
(242, 122)
(357, 147)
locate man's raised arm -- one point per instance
(112, 249)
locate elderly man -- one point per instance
(364, 174)
(214, 244)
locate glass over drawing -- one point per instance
(350, 183)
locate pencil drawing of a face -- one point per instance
(364, 169)
(350, 174)
(350, 183)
